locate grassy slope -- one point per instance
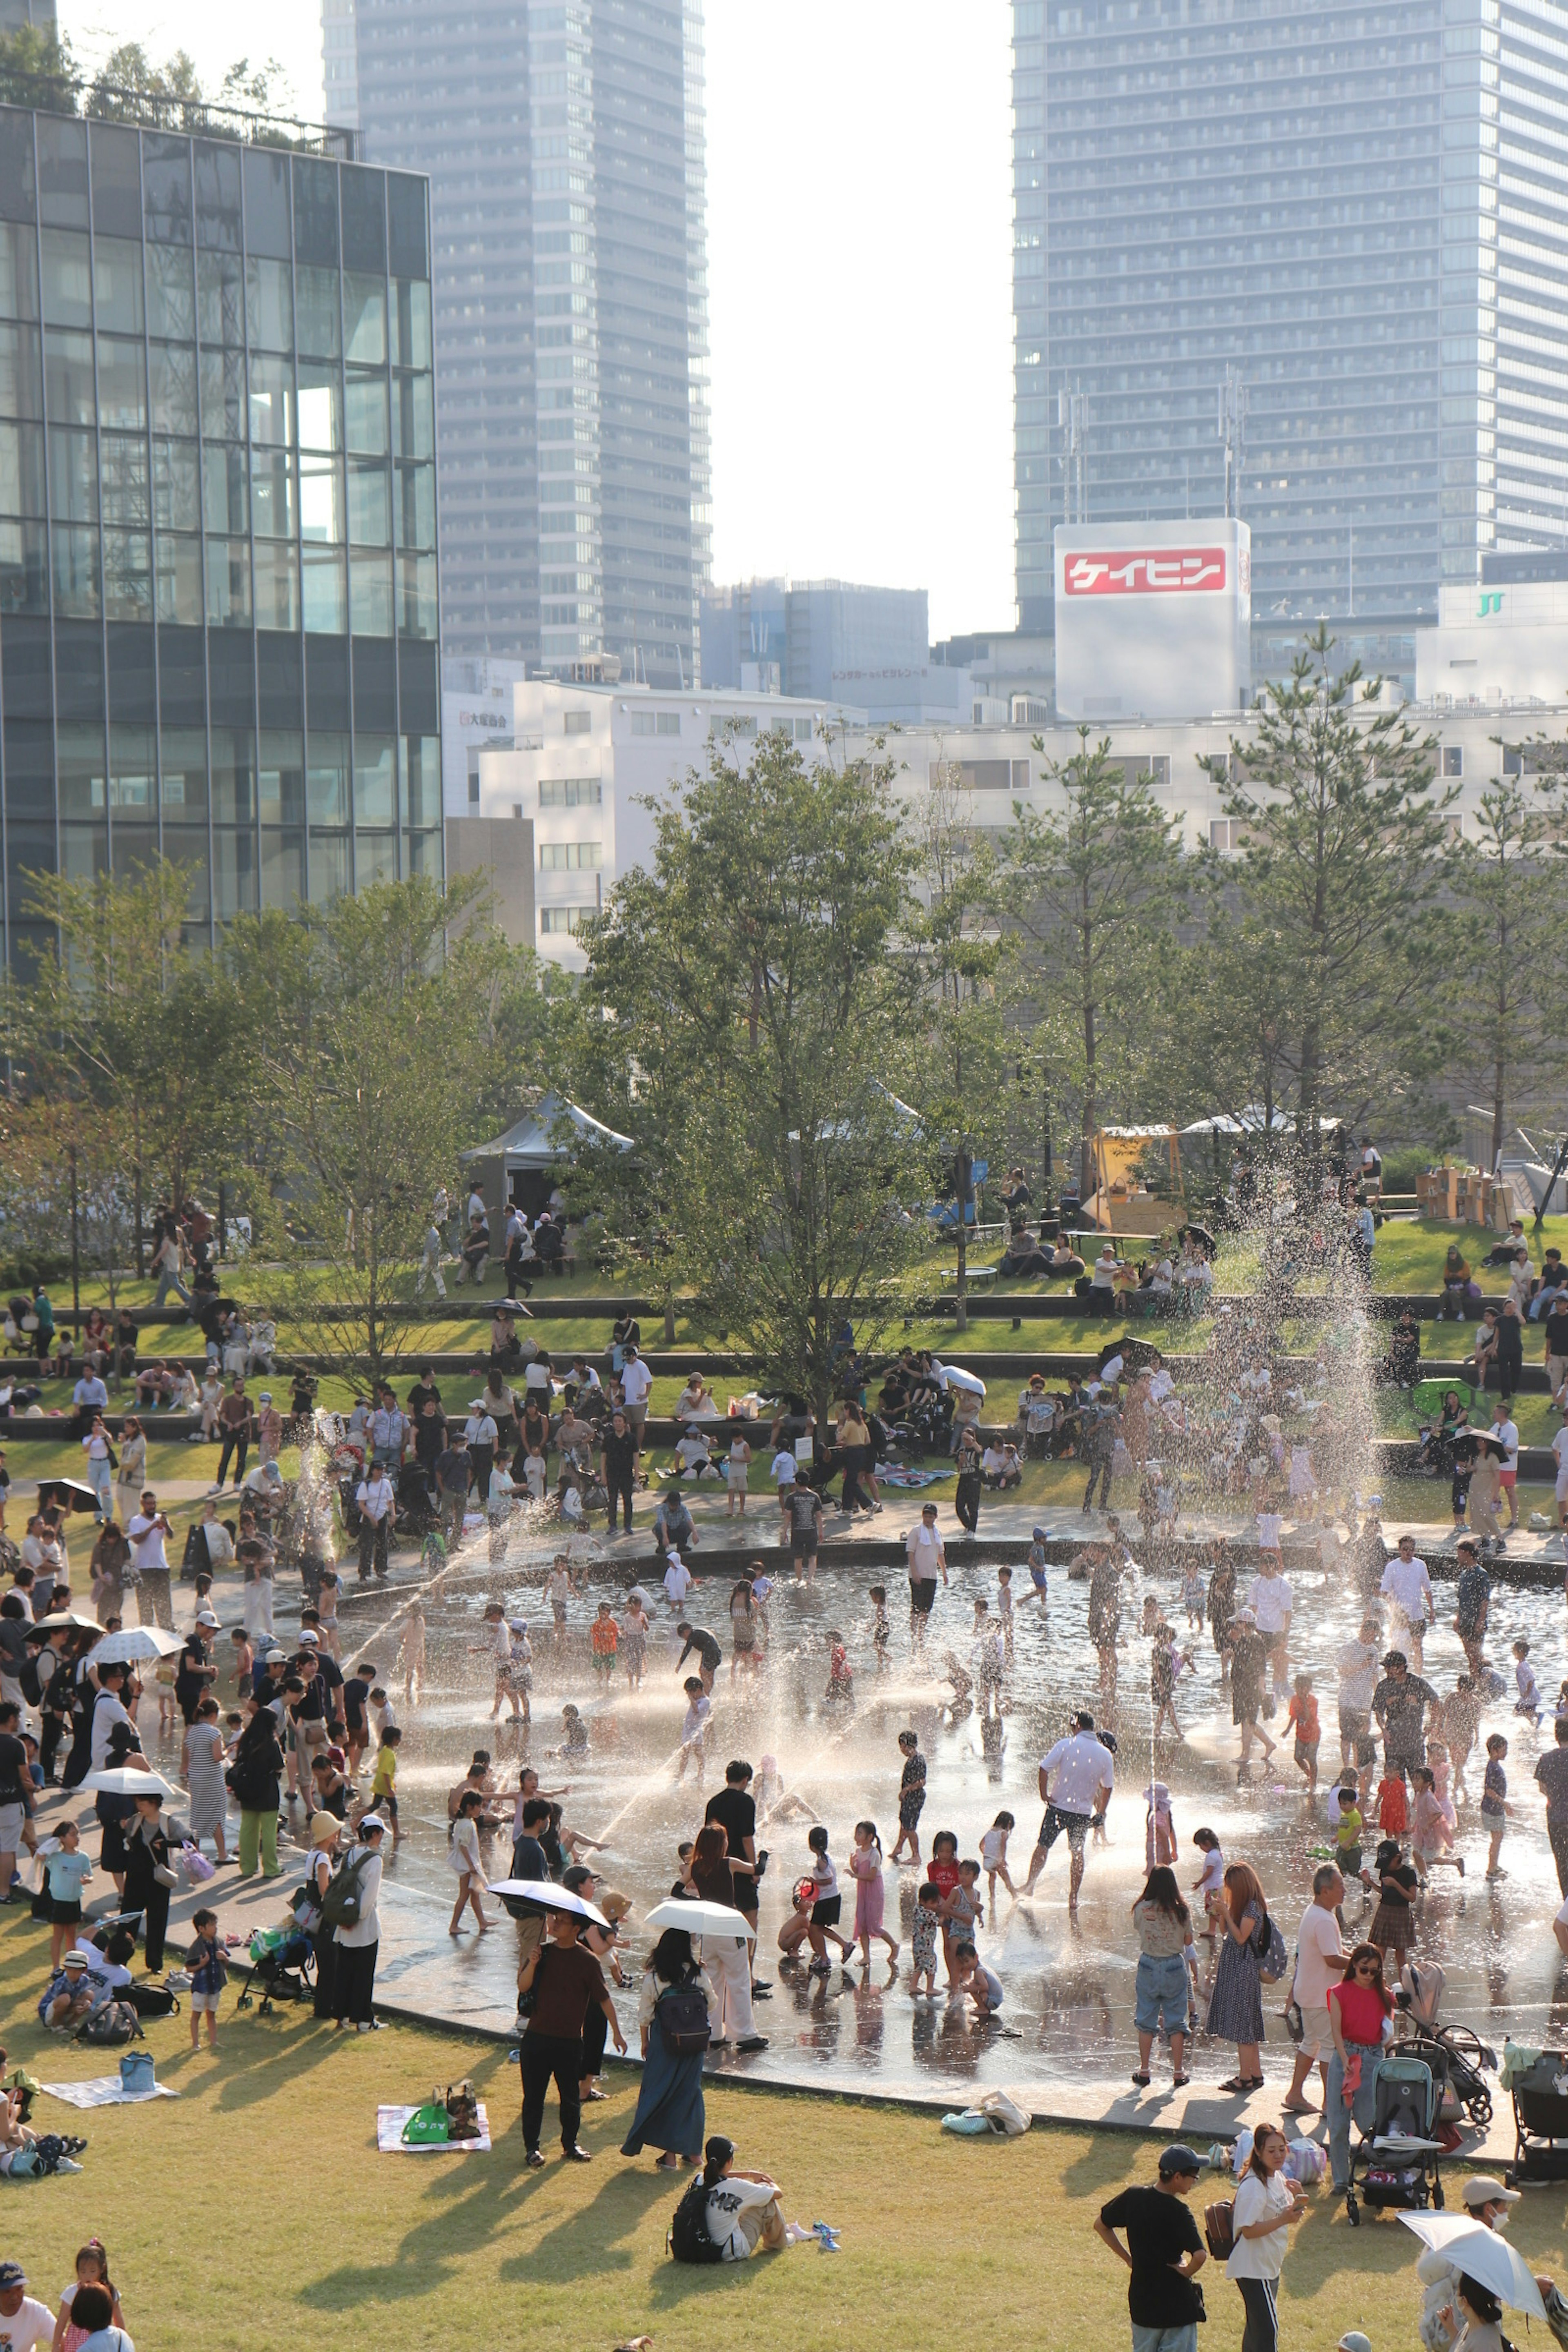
(260, 2193)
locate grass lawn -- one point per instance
(255, 2210)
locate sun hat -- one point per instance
(74, 1961)
(324, 1828)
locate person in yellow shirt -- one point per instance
(382, 1786)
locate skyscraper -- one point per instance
(564, 141)
(218, 626)
(1361, 217)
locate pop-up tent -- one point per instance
(529, 1160)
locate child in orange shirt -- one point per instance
(1303, 1717)
(605, 1641)
(1392, 1803)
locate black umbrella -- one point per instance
(1136, 1355)
(1199, 1234)
(68, 1493)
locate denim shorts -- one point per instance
(1161, 1995)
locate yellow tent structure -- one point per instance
(1118, 1203)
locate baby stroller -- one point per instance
(1398, 2160)
(284, 1961)
(1459, 2058)
(416, 1512)
(1540, 2121)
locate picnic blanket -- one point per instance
(389, 2139)
(911, 1478)
(104, 2091)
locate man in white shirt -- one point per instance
(145, 1536)
(1320, 1965)
(24, 2321)
(927, 1561)
(636, 1382)
(377, 1503)
(1077, 1777)
(1505, 1428)
(430, 1263)
(1271, 1602)
(1407, 1588)
(107, 1711)
(1358, 1672)
(1560, 1456)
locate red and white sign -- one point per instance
(1146, 572)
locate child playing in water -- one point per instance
(840, 1673)
(1164, 1665)
(1347, 1819)
(881, 1631)
(384, 1779)
(774, 1802)
(1393, 1802)
(1192, 1596)
(699, 1707)
(1302, 1715)
(1210, 1881)
(634, 1642)
(927, 1925)
(1530, 1702)
(994, 1855)
(866, 1869)
(1433, 1825)
(827, 1903)
(605, 1639)
(327, 1612)
(1005, 1610)
(943, 1870)
(1495, 1807)
(1037, 1566)
(911, 1796)
(961, 1912)
(1158, 1826)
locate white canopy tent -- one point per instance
(531, 1147)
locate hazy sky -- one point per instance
(859, 276)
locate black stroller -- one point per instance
(1541, 2122)
(415, 1511)
(1398, 2161)
(283, 1961)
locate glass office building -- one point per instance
(219, 634)
(1362, 215)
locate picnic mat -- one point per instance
(104, 2091)
(911, 1478)
(389, 2139)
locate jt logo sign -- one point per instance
(1490, 603)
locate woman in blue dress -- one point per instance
(671, 2114)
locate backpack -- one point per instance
(113, 2022)
(1219, 2231)
(340, 1903)
(1273, 1959)
(681, 2013)
(689, 2239)
(28, 1675)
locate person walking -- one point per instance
(927, 1560)
(966, 1494)
(1552, 1776)
(617, 1466)
(1320, 1966)
(563, 1978)
(202, 1764)
(1163, 2253)
(1406, 1587)
(1077, 1777)
(727, 1959)
(149, 1877)
(132, 1473)
(670, 2115)
(358, 1940)
(1235, 2004)
(1266, 2205)
(377, 1500)
(1359, 2005)
(1166, 1987)
(146, 1536)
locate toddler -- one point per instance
(866, 1869)
(1005, 1610)
(927, 1922)
(1530, 1702)
(1433, 1825)
(573, 1732)
(840, 1673)
(699, 1707)
(207, 1962)
(605, 1639)
(1393, 1802)
(827, 1903)
(383, 1785)
(1036, 1565)
(1192, 1596)
(327, 1610)
(1158, 1826)
(1210, 1881)
(961, 1912)
(994, 1855)
(881, 1631)
(912, 1795)
(1347, 1821)
(1302, 1715)
(1495, 1807)
(412, 1652)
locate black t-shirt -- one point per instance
(567, 1982)
(620, 1454)
(419, 1394)
(804, 1505)
(736, 1814)
(1557, 1331)
(528, 1857)
(327, 1670)
(707, 1649)
(355, 1692)
(1159, 2229)
(15, 1785)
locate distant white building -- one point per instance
(1497, 647)
(583, 758)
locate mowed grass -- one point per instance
(255, 2210)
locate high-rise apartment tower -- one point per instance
(563, 142)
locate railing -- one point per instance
(159, 111)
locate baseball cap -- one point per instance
(1395, 1658)
(1177, 2159)
(11, 2275)
(370, 1821)
(205, 1617)
(1040, 1536)
(1485, 2190)
(309, 1640)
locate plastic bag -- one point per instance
(195, 1863)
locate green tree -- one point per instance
(1094, 885)
(964, 965)
(1505, 888)
(29, 54)
(1343, 848)
(756, 1029)
(368, 1031)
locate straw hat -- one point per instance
(324, 1828)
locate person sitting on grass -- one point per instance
(744, 2216)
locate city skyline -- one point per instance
(844, 368)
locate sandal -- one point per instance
(1141, 2081)
(1180, 2082)
(1238, 2083)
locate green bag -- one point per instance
(426, 2126)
